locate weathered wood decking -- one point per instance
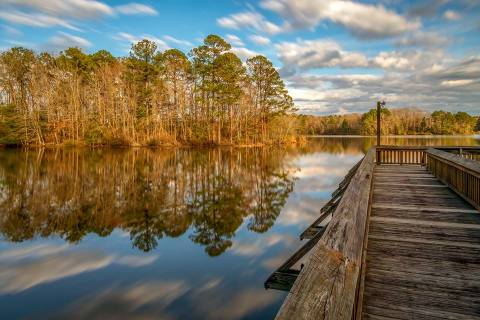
(403, 242)
(423, 249)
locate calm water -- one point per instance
(161, 234)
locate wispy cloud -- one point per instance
(65, 40)
(249, 19)
(136, 8)
(65, 13)
(234, 40)
(179, 42)
(132, 39)
(260, 40)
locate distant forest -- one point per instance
(401, 121)
(207, 96)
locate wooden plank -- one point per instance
(417, 300)
(408, 181)
(459, 245)
(436, 250)
(451, 203)
(425, 266)
(405, 175)
(430, 208)
(428, 215)
(326, 287)
(406, 313)
(435, 193)
(408, 185)
(430, 224)
(436, 286)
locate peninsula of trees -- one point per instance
(401, 121)
(148, 98)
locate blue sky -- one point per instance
(336, 56)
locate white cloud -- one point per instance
(249, 19)
(51, 13)
(260, 40)
(411, 60)
(136, 8)
(311, 54)
(362, 20)
(78, 9)
(234, 40)
(422, 39)
(451, 15)
(456, 83)
(34, 19)
(171, 39)
(132, 39)
(426, 82)
(244, 53)
(65, 40)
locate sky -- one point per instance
(336, 56)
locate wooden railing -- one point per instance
(416, 154)
(460, 174)
(400, 155)
(327, 286)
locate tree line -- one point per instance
(401, 121)
(207, 96)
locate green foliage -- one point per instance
(11, 126)
(207, 97)
(395, 121)
(272, 94)
(369, 121)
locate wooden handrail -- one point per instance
(326, 288)
(416, 154)
(460, 174)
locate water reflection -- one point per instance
(110, 234)
(149, 194)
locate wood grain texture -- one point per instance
(326, 287)
(423, 254)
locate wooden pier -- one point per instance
(403, 242)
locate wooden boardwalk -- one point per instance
(403, 242)
(423, 249)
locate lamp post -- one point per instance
(380, 104)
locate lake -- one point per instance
(162, 234)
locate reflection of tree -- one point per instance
(272, 195)
(218, 211)
(150, 194)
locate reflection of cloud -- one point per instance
(210, 284)
(275, 262)
(300, 211)
(139, 301)
(31, 251)
(136, 261)
(25, 267)
(260, 245)
(19, 277)
(160, 293)
(240, 305)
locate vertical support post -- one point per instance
(379, 109)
